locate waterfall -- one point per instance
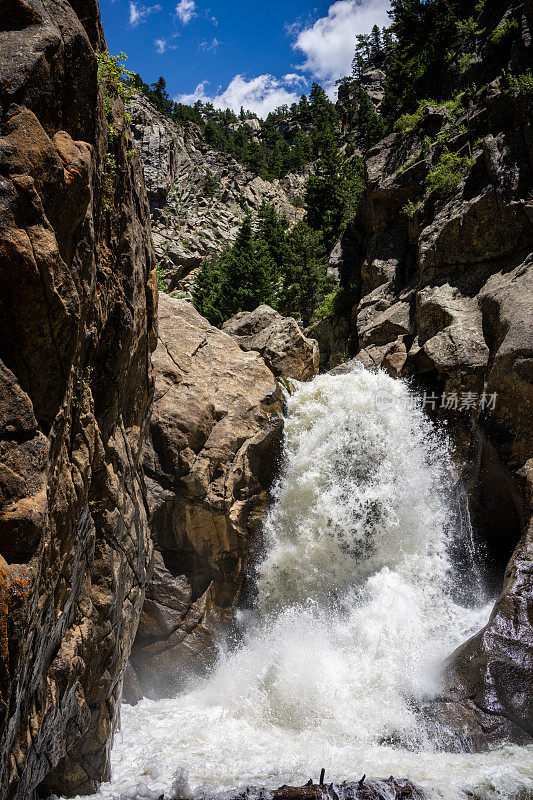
(356, 610)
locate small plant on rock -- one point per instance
(446, 175)
(521, 85)
(506, 27)
(411, 208)
(115, 80)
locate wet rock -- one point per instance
(492, 671)
(365, 789)
(214, 436)
(461, 260)
(279, 340)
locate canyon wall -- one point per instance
(78, 303)
(198, 196)
(440, 254)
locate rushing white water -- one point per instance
(356, 610)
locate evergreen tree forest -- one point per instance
(287, 268)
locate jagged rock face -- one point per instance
(209, 462)
(77, 324)
(447, 292)
(189, 224)
(279, 340)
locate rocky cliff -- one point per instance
(210, 461)
(198, 196)
(441, 256)
(77, 325)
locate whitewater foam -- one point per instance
(356, 611)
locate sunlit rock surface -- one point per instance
(212, 454)
(77, 324)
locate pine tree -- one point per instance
(305, 279)
(271, 228)
(240, 279)
(375, 44)
(159, 96)
(370, 126)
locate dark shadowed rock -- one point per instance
(365, 789)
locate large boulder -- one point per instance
(77, 325)
(212, 453)
(285, 349)
(491, 673)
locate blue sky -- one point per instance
(256, 54)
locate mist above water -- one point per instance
(356, 610)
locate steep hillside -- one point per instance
(77, 326)
(198, 196)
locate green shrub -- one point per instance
(409, 121)
(521, 85)
(503, 30)
(446, 175)
(160, 271)
(466, 27)
(411, 208)
(466, 60)
(115, 80)
(325, 308)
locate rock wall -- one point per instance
(209, 463)
(77, 326)
(190, 223)
(446, 286)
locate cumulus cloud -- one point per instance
(293, 79)
(186, 10)
(260, 95)
(139, 13)
(328, 45)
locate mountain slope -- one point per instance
(198, 196)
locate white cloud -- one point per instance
(260, 95)
(186, 10)
(213, 46)
(139, 13)
(293, 79)
(328, 45)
